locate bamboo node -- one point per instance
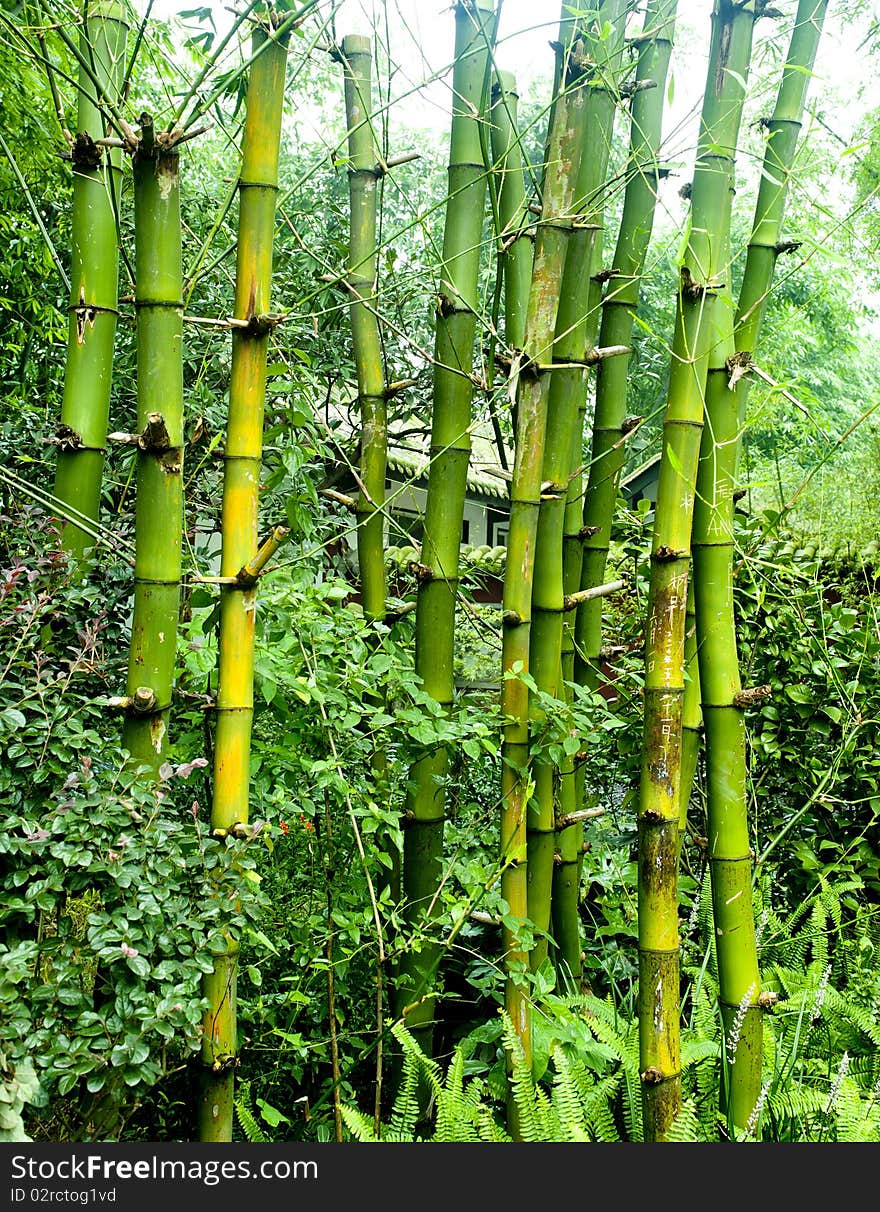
(665, 555)
(737, 366)
(224, 1062)
(422, 572)
(753, 697)
(85, 154)
(786, 246)
(691, 289)
(142, 702)
(154, 438)
(262, 325)
(66, 438)
(652, 1076)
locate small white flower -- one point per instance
(838, 1081)
(737, 1025)
(820, 995)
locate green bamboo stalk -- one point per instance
(659, 802)
(258, 187)
(515, 258)
(159, 502)
(94, 272)
(619, 308)
(363, 174)
(447, 482)
(723, 700)
(601, 44)
(554, 231)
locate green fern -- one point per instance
(249, 1126)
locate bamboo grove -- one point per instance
(563, 235)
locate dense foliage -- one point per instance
(113, 892)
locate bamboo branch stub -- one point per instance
(340, 498)
(583, 814)
(630, 87)
(142, 702)
(573, 600)
(154, 439)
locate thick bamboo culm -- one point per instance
(723, 703)
(453, 391)
(660, 791)
(94, 273)
(619, 307)
(258, 187)
(533, 370)
(516, 234)
(556, 797)
(589, 510)
(363, 175)
(159, 500)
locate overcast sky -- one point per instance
(422, 33)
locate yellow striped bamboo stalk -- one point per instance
(159, 502)
(723, 700)
(94, 273)
(258, 187)
(660, 793)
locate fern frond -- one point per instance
(249, 1126)
(686, 1127)
(361, 1126)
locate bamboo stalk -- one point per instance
(363, 177)
(730, 861)
(94, 274)
(159, 501)
(258, 188)
(532, 383)
(366, 336)
(619, 307)
(515, 258)
(553, 855)
(659, 801)
(447, 481)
